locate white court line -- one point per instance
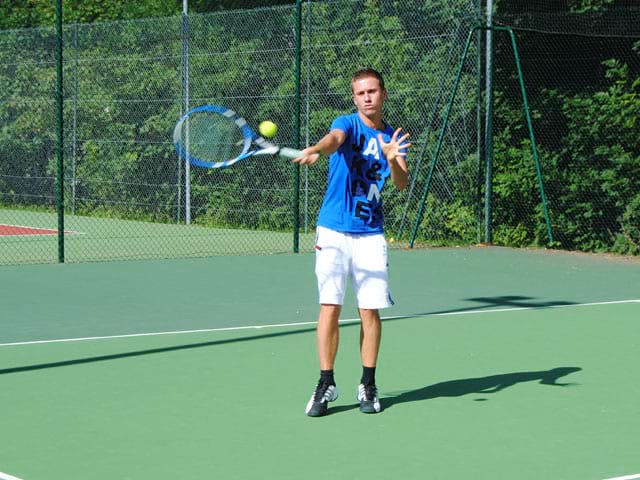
(6, 476)
(625, 477)
(298, 324)
(515, 309)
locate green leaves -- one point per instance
(591, 171)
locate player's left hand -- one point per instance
(396, 147)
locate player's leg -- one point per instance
(372, 291)
(328, 334)
(370, 333)
(331, 271)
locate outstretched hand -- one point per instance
(396, 147)
(308, 157)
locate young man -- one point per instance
(364, 151)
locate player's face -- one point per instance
(368, 96)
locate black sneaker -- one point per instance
(368, 398)
(323, 394)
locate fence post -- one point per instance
(436, 155)
(185, 101)
(60, 133)
(296, 131)
(488, 133)
(532, 138)
(479, 150)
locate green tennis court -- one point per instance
(495, 364)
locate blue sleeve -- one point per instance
(342, 123)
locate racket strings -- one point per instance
(212, 137)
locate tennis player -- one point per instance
(364, 151)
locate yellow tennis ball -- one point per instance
(268, 129)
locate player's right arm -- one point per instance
(326, 146)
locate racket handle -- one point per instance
(289, 152)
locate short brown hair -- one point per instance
(368, 72)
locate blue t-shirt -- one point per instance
(357, 173)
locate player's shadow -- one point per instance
(512, 301)
(491, 303)
(482, 385)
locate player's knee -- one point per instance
(369, 316)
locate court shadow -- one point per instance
(343, 408)
(150, 351)
(482, 385)
(513, 301)
(491, 303)
(516, 301)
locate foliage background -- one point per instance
(123, 92)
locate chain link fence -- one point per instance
(418, 47)
(128, 195)
(582, 70)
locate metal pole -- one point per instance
(443, 128)
(307, 118)
(478, 198)
(296, 132)
(75, 119)
(488, 142)
(179, 157)
(60, 119)
(532, 137)
(185, 80)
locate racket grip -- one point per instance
(289, 152)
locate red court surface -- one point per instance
(17, 230)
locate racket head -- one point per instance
(213, 136)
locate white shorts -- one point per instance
(361, 257)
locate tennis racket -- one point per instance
(212, 136)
